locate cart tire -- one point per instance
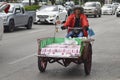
(88, 61)
(42, 64)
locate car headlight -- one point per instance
(4, 19)
(52, 16)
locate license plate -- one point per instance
(42, 20)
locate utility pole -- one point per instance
(79, 2)
(29, 2)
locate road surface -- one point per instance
(18, 50)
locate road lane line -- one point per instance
(22, 59)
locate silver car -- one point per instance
(92, 8)
(108, 9)
(17, 16)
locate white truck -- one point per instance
(17, 17)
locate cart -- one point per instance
(85, 54)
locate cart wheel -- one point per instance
(88, 61)
(42, 63)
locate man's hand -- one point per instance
(85, 28)
(63, 27)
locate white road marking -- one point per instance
(37, 31)
(22, 59)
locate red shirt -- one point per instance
(70, 22)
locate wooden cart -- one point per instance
(85, 58)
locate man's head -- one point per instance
(78, 10)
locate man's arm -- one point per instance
(85, 22)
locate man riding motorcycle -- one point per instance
(76, 20)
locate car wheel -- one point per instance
(117, 15)
(29, 24)
(11, 26)
(114, 13)
(99, 15)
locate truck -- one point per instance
(17, 17)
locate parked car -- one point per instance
(49, 14)
(17, 16)
(69, 5)
(3, 8)
(92, 8)
(118, 11)
(108, 9)
(115, 5)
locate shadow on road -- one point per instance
(19, 29)
(71, 72)
(43, 24)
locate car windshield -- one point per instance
(90, 5)
(107, 6)
(115, 3)
(49, 8)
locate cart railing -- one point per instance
(84, 42)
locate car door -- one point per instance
(18, 17)
(24, 17)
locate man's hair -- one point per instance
(79, 8)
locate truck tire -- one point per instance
(100, 14)
(11, 26)
(29, 24)
(117, 15)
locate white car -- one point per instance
(118, 11)
(115, 5)
(108, 9)
(50, 14)
(70, 3)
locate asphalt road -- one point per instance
(18, 49)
